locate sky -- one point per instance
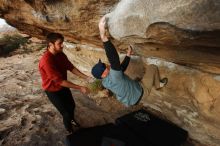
(2, 21)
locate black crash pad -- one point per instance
(138, 128)
(149, 127)
(102, 135)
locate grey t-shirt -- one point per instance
(127, 91)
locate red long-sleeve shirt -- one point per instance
(53, 70)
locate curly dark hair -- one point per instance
(53, 37)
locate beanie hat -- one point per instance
(98, 69)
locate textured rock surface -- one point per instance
(184, 32)
(180, 25)
(138, 15)
(75, 19)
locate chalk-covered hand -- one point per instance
(129, 51)
(102, 29)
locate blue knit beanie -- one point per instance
(98, 69)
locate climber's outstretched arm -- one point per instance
(110, 50)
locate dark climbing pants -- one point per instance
(64, 103)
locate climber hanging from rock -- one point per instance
(127, 91)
